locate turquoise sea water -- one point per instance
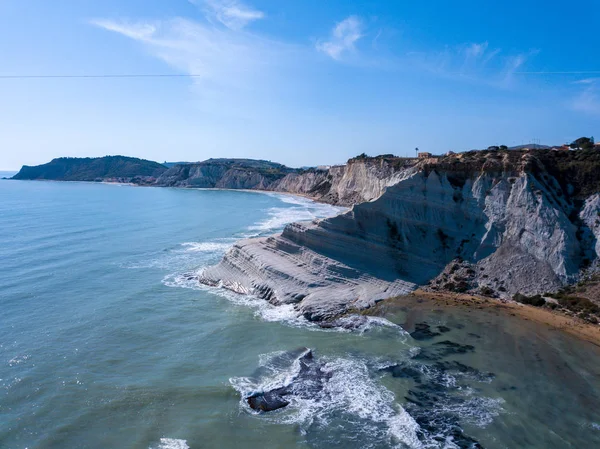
(105, 343)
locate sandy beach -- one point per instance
(552, 319)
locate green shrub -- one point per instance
(486, 291)
(536, 300)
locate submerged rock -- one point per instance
(404, 371)
(437, 401)
(423, 332)
(443, 349)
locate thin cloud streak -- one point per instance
(232, 70)
(233, 14)
(588, 99)
(138, 31)
(472, 62)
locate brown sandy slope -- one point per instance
(574, 326)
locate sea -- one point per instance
(107, 341)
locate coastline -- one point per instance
(550, 319)
(131, 184)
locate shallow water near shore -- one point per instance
(105, 342)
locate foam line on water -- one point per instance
(171, 443)
(208, 246)
(285, 313)
(303, 209)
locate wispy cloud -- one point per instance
(587, 100)
(475, 62)
(232, 69)
(231, 13)
(512, 65)
(475, 50)
(137, 31)
(588, 81)
(343, 38)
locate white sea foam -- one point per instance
(171, 443)
(303, 210)
(185, 256)
(18, 360)
(285, 313)
(478, 411)
(350, 397)
(214, 246)
(199, 254)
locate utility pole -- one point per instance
(417, 152)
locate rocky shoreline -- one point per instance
(507, 224)
(498, 224)
(548, 318)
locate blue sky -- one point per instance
(302, 82)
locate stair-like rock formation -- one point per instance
(518, 227)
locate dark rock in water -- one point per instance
(267, 402)
(309, 381)
(469, 371)
(428, 405)
(435, 402)
(471, 334)
(443, 349)
(350, 322)
(450, 429)
(423, 332)
(404, 371)
(455, 348)
(443, 329)
(422, 398)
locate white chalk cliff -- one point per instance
(518, 225)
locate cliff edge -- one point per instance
(108, 168)
(505, 222)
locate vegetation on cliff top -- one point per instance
(579, 300)
(268, 169)
(92, 169)
(577, 172)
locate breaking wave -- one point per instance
(340, 401)
(301, 209)
(351, 407)
(195, 255)
(285, 313)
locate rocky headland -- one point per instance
(97, 169)
(494, 223)
(505, 223)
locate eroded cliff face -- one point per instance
(590, 216)
(223, 173)
(358, 181)
(511, 225)
(361, 180)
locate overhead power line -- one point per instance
(588, 72)
(172, 75)
(183, 75)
